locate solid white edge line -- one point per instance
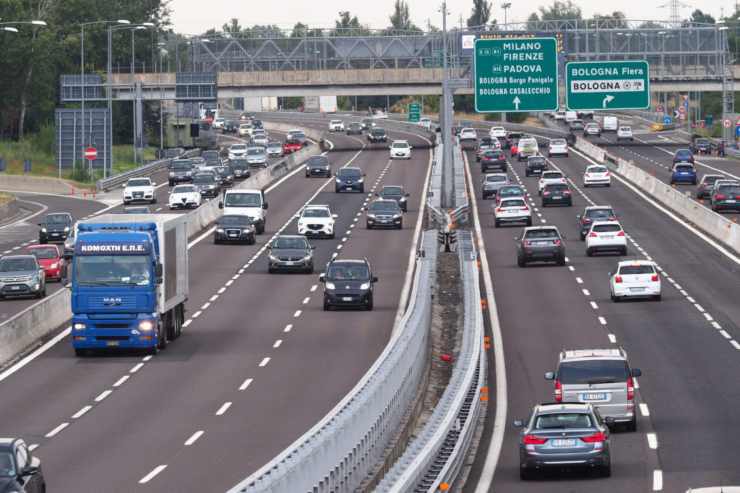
(194, 438)
(153, 473)
(644, 410)
(657, 480)
(499, 423)
(35, 354)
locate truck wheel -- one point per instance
(171, 323)
(261, 227)
(161, 337)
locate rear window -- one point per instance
(636, 269)
(513, 203)
(496, 179)
(552, 175)
(556, 187)
(593, 371)
(562, 421)
(511, 190)
(597, 169)
(538, 161)
(607, 228)
(45, 253)
(684, 167)
(729, 189)
(709, 179)
(558, 142)
(600, 214)
(537, 234)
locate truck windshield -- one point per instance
(243, 200)
(110, 270)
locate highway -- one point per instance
(686, 345)
(222, 399)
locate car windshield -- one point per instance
(182, 166)
(7, 466)
(243, 200)
(378, 131)
(599, 213)
(287, 243)
(235, 220)
(57, 219)
(210, 155)
(349, 173)
(513, 203)
(384, 206)
(336, 122)
(238, 147)
(255, 151)
(137, 210)
(238, 163)
(45, 253)
(387, 191)
(627, 270)
(684, 167)
(348, 272)
(702, 141)
(496, 178)
(17, 264)
(683, 153)
(551, 175)
(539, 234)
(355, 125)
(607, 228)
(562, 421)
(204, 178)
(596, 169)
(183, 189)
(593, 371)
(400, 145)
(139, 183)
(729, 189)
(316, 212)
(318, 161)
(557, 142)
(112, 269)
(273, 145)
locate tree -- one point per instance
(401, 18)
(699, 17)
(558, 11)
(615, 20)
(481, 13)
(349, 25)
(301, 30)
(232, 27)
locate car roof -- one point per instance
(384, 201)
(624, 263)
(557, 407)
(400, 141)
(292, 237)
(540, 228)
(349, 261)
(598, 223)
(552, 172)
(351, 167)
(590, 354)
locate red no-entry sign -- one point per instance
(91, 154)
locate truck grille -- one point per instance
(111, 302)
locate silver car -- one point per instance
(21, 275)
(492, 182)
(257, 156)
(601, 377)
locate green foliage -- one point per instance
(700, 17)
(481, 13)
(558, 11)
(401, 18)
(349, 25)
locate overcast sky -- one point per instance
(196, 16)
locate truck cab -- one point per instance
(246, 202)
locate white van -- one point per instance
(246, 202)
(610, 124)
(570, 116)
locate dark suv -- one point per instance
(493, 159)
(350, 179)
(397, 193)
(348, 283)
(377, 134)
(181, 171)
(290, 253)
(318, 166)
(540, 244)
(384, 214)
(535, 166)
(726, 196)
(211, 158)
(591, 214)
(55, 227)
(354, 128)
(19, 470)
(208, 184)
(557, 194)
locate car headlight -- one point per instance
(43, 230)
(54, 265)
(338, 180)
(79, 326)
(273, 258)
(219, 230)
(66, 229)
(360, 180)
(396, 216)
(330, 286)
(371, 216)
(307, 258)
(146, 325)
(172, 173)
(365, 286)
(403, 199)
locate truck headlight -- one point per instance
(360, 180)
(146, 325)
(66, 229)
(43, 230)
(365, 286)
(172, 174)
(371, 216)
(307, 258)
(330, 286)
(79, 326)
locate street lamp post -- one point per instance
(506, 6)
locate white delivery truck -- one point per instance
(610, 124)
(246, 202)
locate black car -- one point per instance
(240, 167)
(181, 171)
(540, 244)
(702, 146)
(20, 471)
(397, 193)
(226, 175)
(493, 159)
(349, 179)
(354, 128)
(564, 435)
(348, 283)
(557, 194)
(234, 228)
(257, 123)
(383, 213)
(55, 227)
(290, 253)
(231, 127)
(318, 166)
(208, 184)
(511, 138)
(592, 214)
(211, 158)
(376, 135)
(535, 166)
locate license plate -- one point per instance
(563, 443)
(591, 396)
(348, 188)
(607, 237)
(637, 290)
(15, 288)
(541, 243)
(111, 343)
(347, 298)
(730, 201)
(556, 197)
(289, 263)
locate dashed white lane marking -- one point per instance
(221, 290)
(288, 328)
(121, 381)
(81, 412)
(652, 440)
(229, 283)
(708, 317)
(146, 358)
(699, 307)
(716, 325)
(197, 314)
(277, 344)
(136, 368)
(224, 407)
(735, 344)
(579, 280)
(103, 395)
(205, 306)
(56, 430)
(644, 410)
(235, 277)
(657, 480)
(153, 473)
(586, 292)
(339, 247)
(636, 382)
(264, 362)
(602, 320)
(594, 305)
(213, 298)
(725, 334)
(306, 300)
(297, 314)
(186, 323)
(612, 338)
(571, 268)
(246, 384)
(194, 438)
(314, 287)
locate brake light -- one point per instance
(597, 437)
(566, 192)
(720, 196)
(593, 235)
(534, 440)
(545, 193)
(630, 388)
(606, 174)
(618, 279)
(525, 208)
(527, 243)
(621, 233)
(556, 242)
(654, 278)
(558, 391)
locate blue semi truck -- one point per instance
(129, 281)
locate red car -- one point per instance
(49, 259)
(291, 146)
(514, 148)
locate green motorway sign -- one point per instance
(414, 112)
(614, 85)
(516, 74)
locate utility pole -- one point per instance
(446, 116)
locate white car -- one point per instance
(336, 126)
(635, 279)
(497, 132)
(400, 149)
(218, 123)
(184, 197)
(139, 190)
(259, 138)
(560, 115)
(237, 151)
(512, 210)
(246, 202)
(597, 174)
(548, 178)
(606, 236)
(468, 134)
(316, 221)
(426, 123)
(592, 128)
(624, 133)
(245, 130)
(557, 147)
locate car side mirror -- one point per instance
(29, 471)
(636, 372)
(154, 184)
(335, 216)
(407, 195)
(519, 423)
(375, 279)
(609, 421)
(220, 205)
(322, 278)
(264, 206)
(313, 247)
(550, 375)
(563, 237)
(411, 147)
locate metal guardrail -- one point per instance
(144, 170)
(339, 452)
(437, 455)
